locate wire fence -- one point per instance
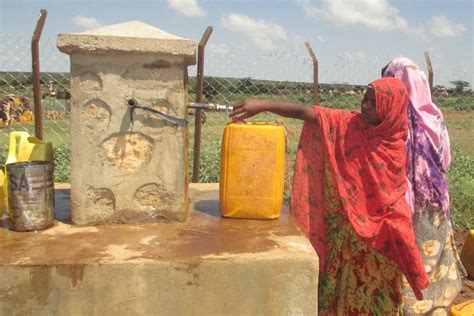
(283, 76)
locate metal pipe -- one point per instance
(211, 106)
(315, 73)
(37, 75)
(199, 93)
(430, 71)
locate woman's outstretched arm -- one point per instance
(250, 107)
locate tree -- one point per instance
(460, 85)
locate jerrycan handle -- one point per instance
(16, 139)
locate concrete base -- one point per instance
(205, 266)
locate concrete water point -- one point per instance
(124, 173)
(207, 265)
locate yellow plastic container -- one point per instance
(463, 309)
(24, 147)
(252, 170)
(467, 254)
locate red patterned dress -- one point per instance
(348, 197)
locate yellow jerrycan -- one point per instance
(24, 147)
(2, 190)
(252, 171)
(463, 309)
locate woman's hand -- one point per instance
(248, 108)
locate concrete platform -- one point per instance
(205, 266)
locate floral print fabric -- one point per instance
(357, 280)
(367, 164)
(435, 239)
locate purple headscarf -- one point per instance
(428, 141)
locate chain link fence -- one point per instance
(284, 75)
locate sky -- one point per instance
(264, 39)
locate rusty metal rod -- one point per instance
(37, 75)
(199, 93)
(315, 73)
(430, 71)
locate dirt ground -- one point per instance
(467, 292)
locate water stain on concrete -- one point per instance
(74, 272)
(201, 236)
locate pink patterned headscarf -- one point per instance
(419, 96)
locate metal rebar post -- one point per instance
(199, 93)
(315, 74)
(37, 75)
(430, 71)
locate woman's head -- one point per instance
(395, 67)
(368, 107)
(385, 104)
(421, 103)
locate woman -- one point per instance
(348, 198)
(428, 160)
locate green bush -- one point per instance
(209, 171)
(461, 190)
(62, 163)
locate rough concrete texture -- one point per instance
(133, 36)
(123, 173)
(207, 265)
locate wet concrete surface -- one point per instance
(204, 235)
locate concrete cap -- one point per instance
(133, 36)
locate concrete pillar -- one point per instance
(124, 173)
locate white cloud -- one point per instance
(309, 9)
(85, 22)
(353, 56)
(186, 7)
(321, 39)
(263, 34)
(218, 49)
(374, 14)
(443, 27)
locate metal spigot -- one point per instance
(133, 105)
(212, 106)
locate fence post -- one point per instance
(430, 71)
(37, 75)
(199, 92)
(315, 74)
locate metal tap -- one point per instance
(212, 106)
(133, 105)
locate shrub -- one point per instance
(62, 163)
(461, 190)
